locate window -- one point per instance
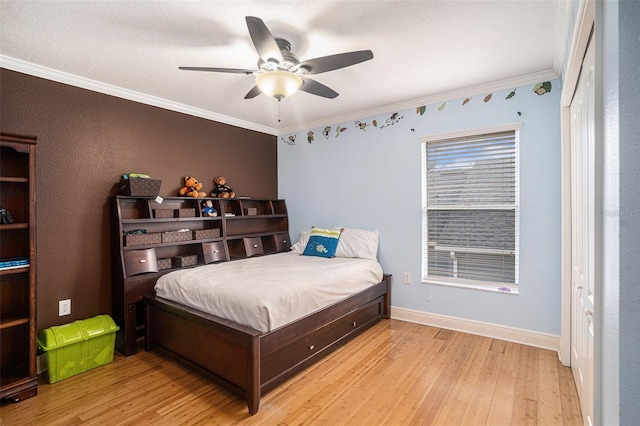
(471, 208)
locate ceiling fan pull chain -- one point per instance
(279, 110)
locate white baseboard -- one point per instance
(495, 331)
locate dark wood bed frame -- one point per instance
(249, 362)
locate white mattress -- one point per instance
(268, 292)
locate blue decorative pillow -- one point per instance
(322, 242)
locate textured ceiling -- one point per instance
(421, 49)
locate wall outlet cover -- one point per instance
(64, 307)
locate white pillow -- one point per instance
(353, 243)
(302, 242)
(358, 243)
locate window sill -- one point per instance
(491, 287)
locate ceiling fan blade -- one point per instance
(253, 93)
(334, 62)
(263, 40)
(319, 89)
(227, 70)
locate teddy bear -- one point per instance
(192, 188)
(207, 209)
(221, 189)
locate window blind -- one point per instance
(470, 228)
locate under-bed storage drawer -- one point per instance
(310, 345)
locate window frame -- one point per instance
(510, 288)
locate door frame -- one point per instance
(579, 42)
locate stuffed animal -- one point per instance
(192, 188)
(207, 209)
(221, 189)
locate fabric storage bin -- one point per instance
(189, 212)
(204, 234)
(185, 260)
(140, 187)
(78, 346)
(140, 239)
(175, 236)
(251, 211)
(164, 263)
(163, 213)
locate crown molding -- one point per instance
(495, 86)
(562, 36)
(108, 89)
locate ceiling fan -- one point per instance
(280, 73)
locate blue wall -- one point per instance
(371, 178)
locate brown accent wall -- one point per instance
(86, 140)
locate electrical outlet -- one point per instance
(407, 278)
(64, 307)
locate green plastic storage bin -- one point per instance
(78, 346)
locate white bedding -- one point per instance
(268, 292)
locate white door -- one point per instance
(583, 234)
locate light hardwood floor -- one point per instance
(396, 373)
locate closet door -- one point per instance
(583, 234)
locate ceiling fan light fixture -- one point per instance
(272, 64)
(280, 73)
(278, 84)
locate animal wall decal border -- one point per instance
(540, 89)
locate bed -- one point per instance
(324, 307)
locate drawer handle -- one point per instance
(284, 241)
(142, 260)
(255, 246)
(354, 324)
(312, 347)
(215, 251)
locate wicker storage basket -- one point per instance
(175, 236)
(189, 212)
(164, 263)
(163, 213)
(140, 239)
(204, 234)
(140, 187)
(185, 260)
